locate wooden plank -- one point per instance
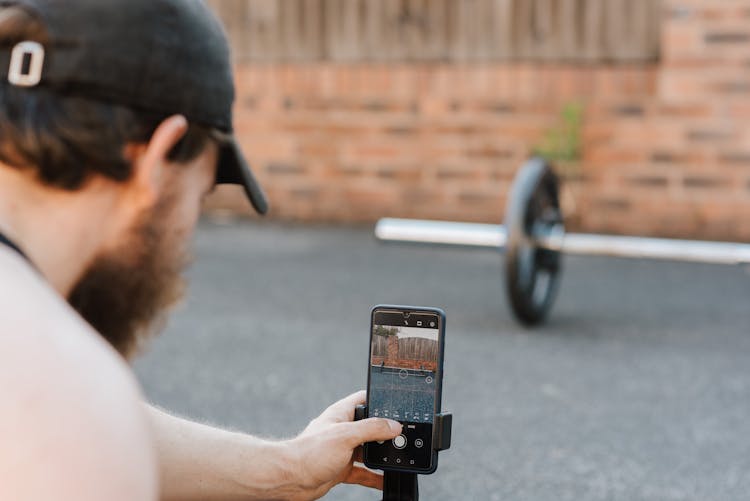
(375, 44)
(544, 42)
(302, 29)
(344, 30)
(261, 31)
(387, 44)
(466, 30)
(501, 32)
(593, 29)
(523, 30)
(433, 31)
(483, 31)
(569, 30)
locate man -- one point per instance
(115, 121)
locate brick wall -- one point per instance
(679, 165)
(666, 146)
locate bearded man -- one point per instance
(115, 122)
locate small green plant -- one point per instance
(382, 330)
(562, 143)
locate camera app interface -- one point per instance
(403, 386)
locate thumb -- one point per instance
(370, 430)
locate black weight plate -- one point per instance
(532, 273)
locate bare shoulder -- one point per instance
(72, 422)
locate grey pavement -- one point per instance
(637, 389)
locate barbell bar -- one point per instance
(495, 236)
(534, 238)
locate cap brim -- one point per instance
(234, 169)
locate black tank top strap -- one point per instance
(8, 243)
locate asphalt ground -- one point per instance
(637, 389)
(402, 395)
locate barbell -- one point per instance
(534, 239)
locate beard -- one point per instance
(125, 294)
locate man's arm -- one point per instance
(71, 424)
(199, 462)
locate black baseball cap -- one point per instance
(161, 56)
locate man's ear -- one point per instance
(150, 160)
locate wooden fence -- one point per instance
(583, 31)
(412, 348)
(418, 348)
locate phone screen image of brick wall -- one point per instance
(403, 373)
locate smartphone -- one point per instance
(404, 383)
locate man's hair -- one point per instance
(66, 139)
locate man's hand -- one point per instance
(327, 449)
(199, 462)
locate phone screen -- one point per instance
(404, 385)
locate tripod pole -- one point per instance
(399, 486)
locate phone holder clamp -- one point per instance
(404, 486)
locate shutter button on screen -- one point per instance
(399, 442)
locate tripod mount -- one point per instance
(404, 486)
